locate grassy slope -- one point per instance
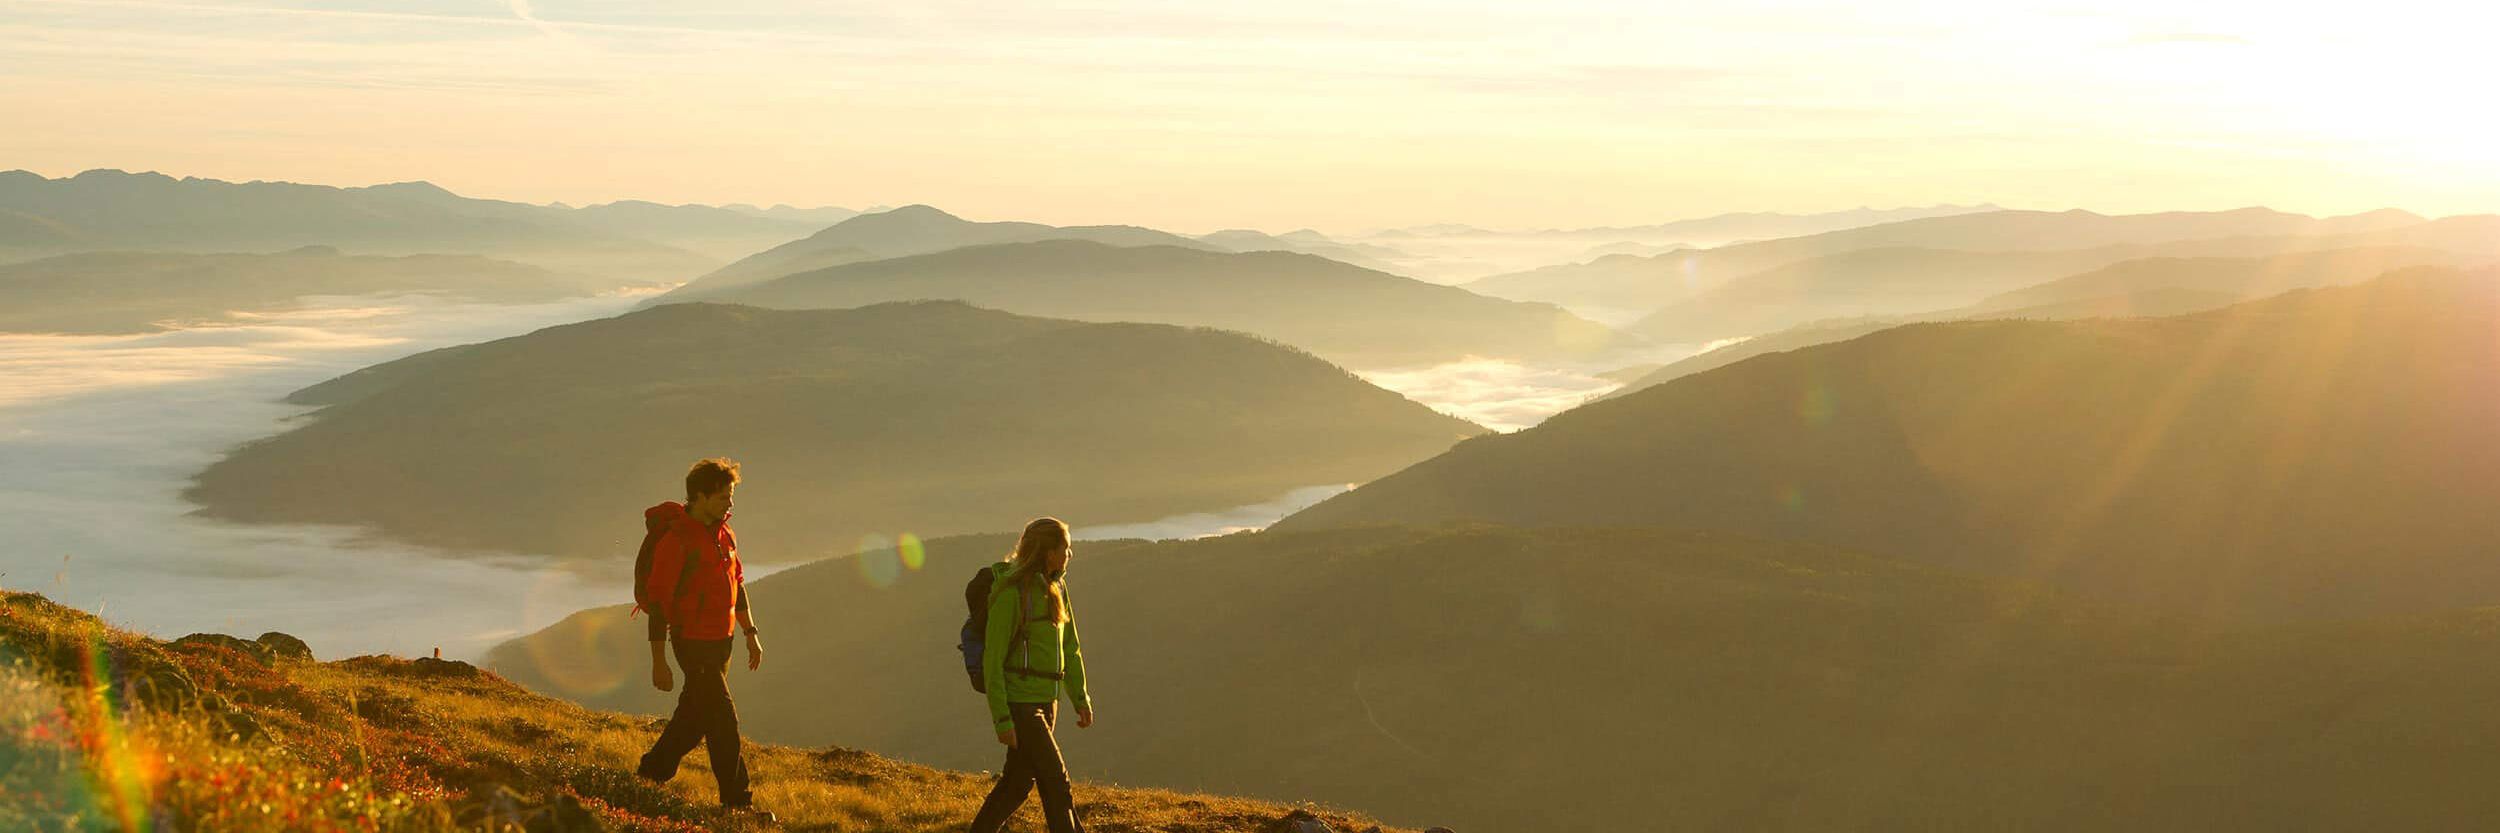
(105, 729)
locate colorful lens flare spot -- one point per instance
(1793, 498)
(913, 554)
(1816, 406)
(126, 772)
(877, 562)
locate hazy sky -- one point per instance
(1281, 113)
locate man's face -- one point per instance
(715, 506)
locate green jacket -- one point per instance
(1049, 647)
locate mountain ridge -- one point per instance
(1959, 443)
(1334, 309)
(917, 418)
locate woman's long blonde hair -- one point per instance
(1042, 537)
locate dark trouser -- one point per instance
(704, 715)
(1035, 760)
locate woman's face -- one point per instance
(1057, 561)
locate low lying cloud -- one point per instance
(1495, 393)
(118, 424)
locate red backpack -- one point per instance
(654, 525)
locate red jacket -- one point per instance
(714, 587)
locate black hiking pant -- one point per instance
(704, 715)
(1034, 761)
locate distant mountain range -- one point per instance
(902, 232)
(1893, 281)
(1451, 253)
(2134, 288)
(107, 210)
(716, 232)
(1723, 229)
(2318, 454)
(129, 292)
(1346, 313)
(928, 418)
(817, 217)
(1306, 241)
(1661, 281)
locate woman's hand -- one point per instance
(660, 678)
(755, 652)
(1007, 736)
(1084, 718)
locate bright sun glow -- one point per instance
(1281, 114)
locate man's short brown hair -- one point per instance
(709, 476)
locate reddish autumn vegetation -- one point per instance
(103, 729)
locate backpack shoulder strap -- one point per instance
(685, 571)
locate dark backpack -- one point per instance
(976, 626)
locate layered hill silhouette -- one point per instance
(925, 418)
(713, 231)
(1886, 281)
(2143, 287)
(1366, 255)
(1899, 281)
(901, 232)
(107, 210)
(2317, 454)
(2240, 278)
(1346, 313)
(1628, 282)
(108, 729)
(1504, 679)
(1721, 229)
(128, 292)
(1451, 253)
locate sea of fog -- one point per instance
(1507, 396)
(100, 435)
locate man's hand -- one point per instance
(1007, 736)
(1084, 718)
(755, 652)
(660, 678)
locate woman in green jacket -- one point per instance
(1029, 650)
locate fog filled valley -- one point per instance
(1944, 517)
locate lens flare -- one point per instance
(121, 769)
(913, 553)
(1816, 407)
(582, 655)
(876, 561)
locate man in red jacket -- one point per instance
(698, 589)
